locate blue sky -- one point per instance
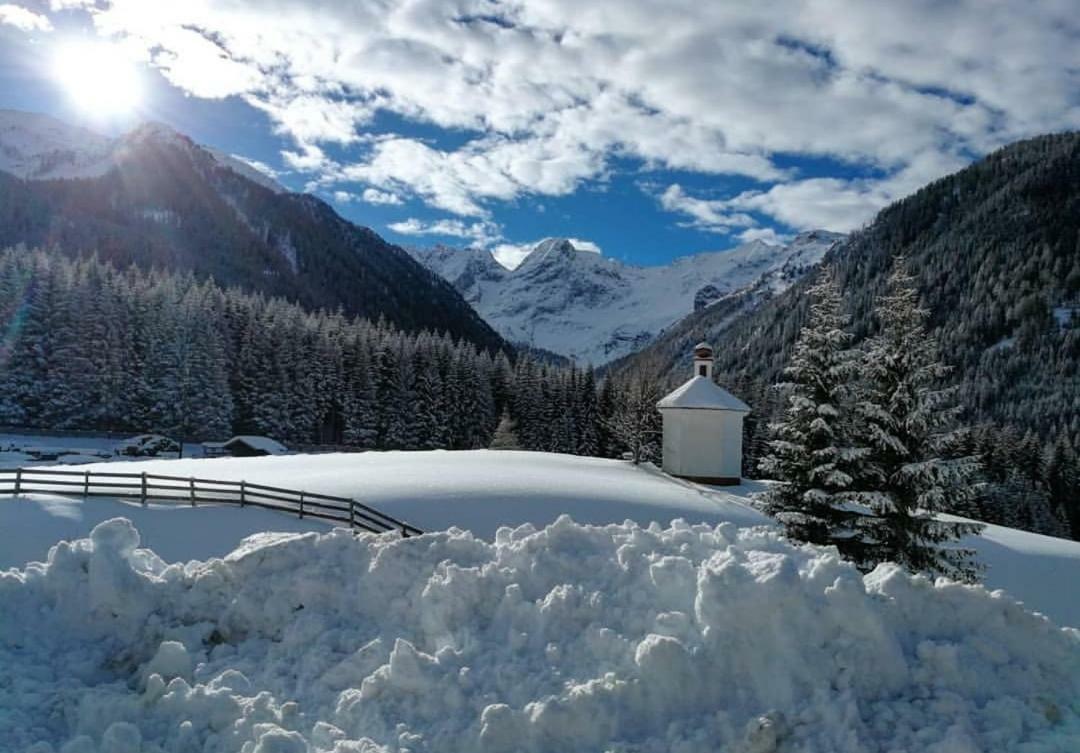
(501, 123)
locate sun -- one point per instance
(98, 78)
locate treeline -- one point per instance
(1028, 481)
(86, 346)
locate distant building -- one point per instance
(244, 446)
(703, 427)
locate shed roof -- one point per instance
(704, 394)
(267, 445)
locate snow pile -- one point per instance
(30, 526)
(688, 638)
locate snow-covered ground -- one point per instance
(713, 634)
(481, 491)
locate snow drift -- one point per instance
(686, 638)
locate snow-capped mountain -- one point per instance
(155, 198)
(596, 309)
(38, 147)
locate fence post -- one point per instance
(144, 488)
(18, 481)
(352, 513)
(86, 485)
(241, 493)
(301, 504)
(192, 482)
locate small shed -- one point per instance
(703, 427)
(247, 446)
(214, 450)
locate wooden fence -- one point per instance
(154, 487)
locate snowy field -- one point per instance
(482, 489)
(714, 634)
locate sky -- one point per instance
(644, 129)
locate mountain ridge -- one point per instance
(157, 199)
(34, 146)
(995, 252)
(597, 309)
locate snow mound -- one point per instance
(30, 526)
(569, 638)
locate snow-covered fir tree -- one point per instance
(907, 418)
(811, 451)
(635, 423)
(87, 347)
(505, 434)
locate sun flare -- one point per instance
(98, 78)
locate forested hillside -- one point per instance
(167, 202)
(85, 346)
(995, 250)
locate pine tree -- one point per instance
(907, 420)
(358, 403)
(85, 346)
(585, 411)
(607, 444)
(810, 453)
(636, 423)
(505, 435)
(1063, 480)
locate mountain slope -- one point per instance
(595, 309)
(995, 249)
(155, 198)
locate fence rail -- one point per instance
(148, 487)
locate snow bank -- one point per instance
(570, 638)
(30, 526)
(1043, 572)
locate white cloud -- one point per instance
(200, 66)
(309, 159)
(510, 255)
(545, 100)
(836, 204)
(23, 19)
(375, 196)
(714, 216)
(315, 118)
(369, 196)
(766, 234)
(582, 245)
(482, 233)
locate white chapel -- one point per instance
(703, 427)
